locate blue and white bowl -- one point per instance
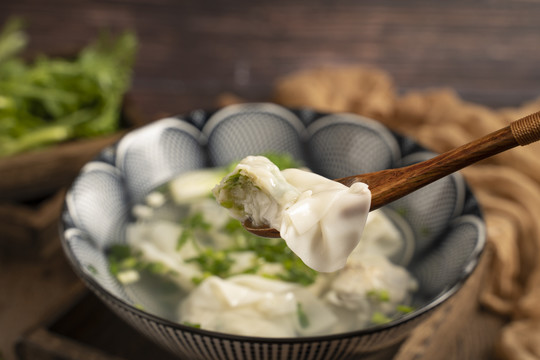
(442, 221)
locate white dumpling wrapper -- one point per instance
(373, 271)
(252, 305)
(320, 219)
(326, 223)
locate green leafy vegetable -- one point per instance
(12, 39)
(57, 99)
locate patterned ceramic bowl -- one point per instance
(442, 221)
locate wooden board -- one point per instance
(192, 51)
(84, 328)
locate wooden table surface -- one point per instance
(192, 51)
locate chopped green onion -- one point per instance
(126, 264)
(92, 269)
(378, 318)
(191, 225)
(404, 309)
(216, 262)
(303, 319)
(183, 238)
(283, 161)
(380, 295)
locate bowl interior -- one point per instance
(441, 223)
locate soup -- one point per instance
(228, 280)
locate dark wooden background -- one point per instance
(191, 51)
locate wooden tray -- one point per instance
(35, 174)
(40, 173)
(30, 230)
(32, 187)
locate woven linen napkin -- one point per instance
(497, 313)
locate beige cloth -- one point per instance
(497, 313)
